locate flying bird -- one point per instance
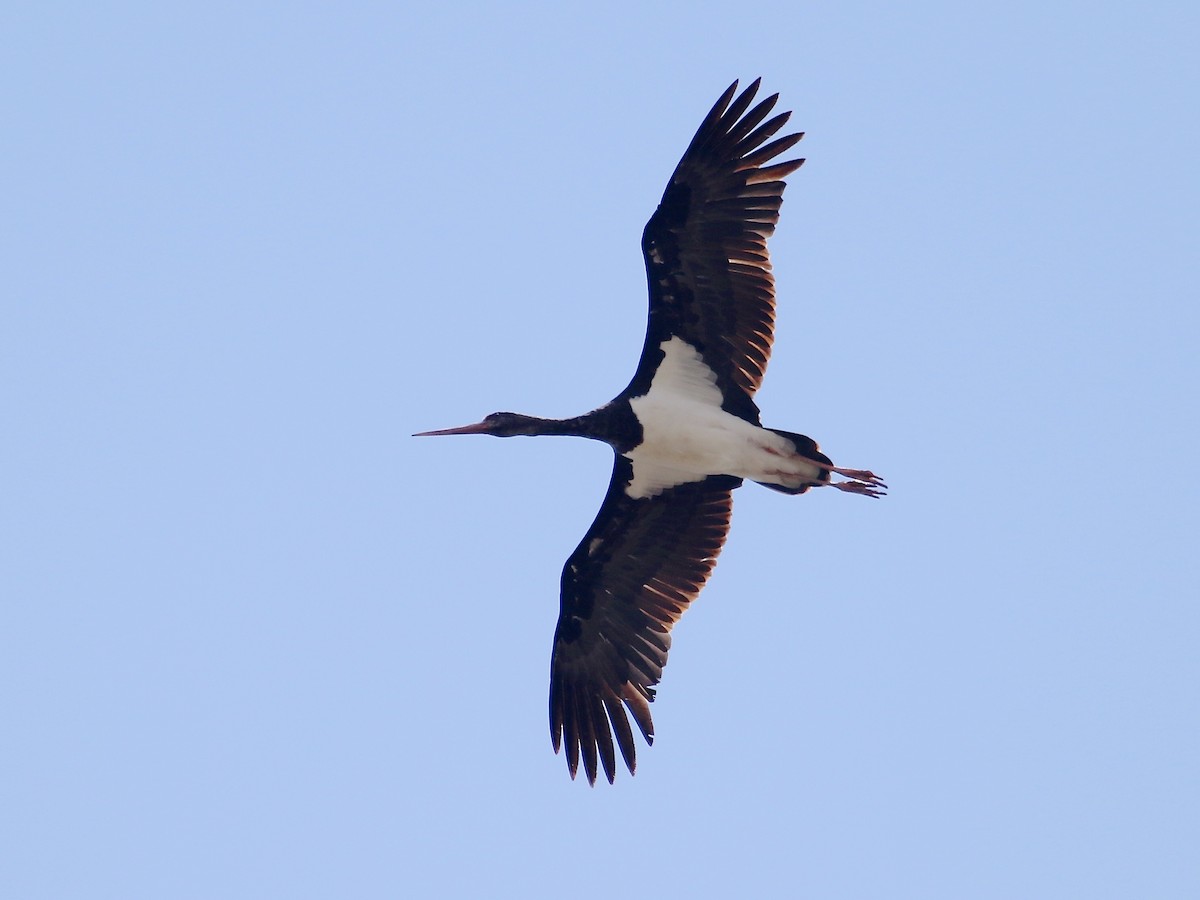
(685, 433)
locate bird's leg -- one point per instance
(855, 487)
(862, 481)
(858, 475)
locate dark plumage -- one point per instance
(685, 433)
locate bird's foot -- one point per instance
(862, 481)
(858, 487)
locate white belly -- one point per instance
(686, 436)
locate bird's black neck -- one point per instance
(614, 423)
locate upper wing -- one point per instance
(706, 248)
(629, 580)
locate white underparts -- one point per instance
(686, 436)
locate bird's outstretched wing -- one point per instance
(627, 583)
(706, 248)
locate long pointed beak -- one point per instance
(477, 428)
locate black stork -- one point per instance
(685, 433)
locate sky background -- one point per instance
(257, 641)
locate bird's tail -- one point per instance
(806, 447)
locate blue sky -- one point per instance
(259, 642)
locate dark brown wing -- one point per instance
(706, 248)
(629, 580)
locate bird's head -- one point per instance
(500, 424)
